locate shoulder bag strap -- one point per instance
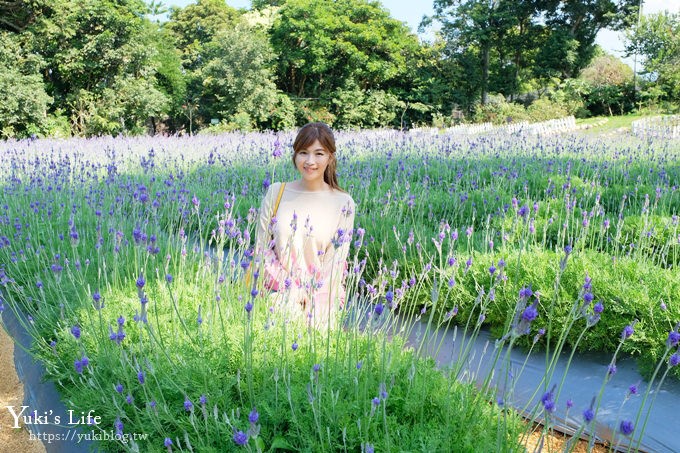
(278, 198)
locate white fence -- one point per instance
(657, 126)
(524, 127)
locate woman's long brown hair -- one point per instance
(311, 132)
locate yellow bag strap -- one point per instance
(278, 198)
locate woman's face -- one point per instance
(312, 161)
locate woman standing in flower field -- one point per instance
(304, 230)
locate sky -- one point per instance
(412, 11)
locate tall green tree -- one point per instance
(237, 79)
(514, 41)
(321, 45)
(23, 110)
(350, 49)
(196, 25)
(474, 27)
(657, 40)
(99, 58)
(229, 68)
(581, 20)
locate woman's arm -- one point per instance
(335, 256)
(262, 229)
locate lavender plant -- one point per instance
(124, 259)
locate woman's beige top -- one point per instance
(310, 238)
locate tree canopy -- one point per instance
(90, 67)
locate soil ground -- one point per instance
(12, 394)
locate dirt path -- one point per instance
(12, 394)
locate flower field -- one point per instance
(125, 259)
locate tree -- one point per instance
(657, 39)
(237, 77)
(475, 27)
(196, 25)
(581, 20)
(16, 15)
(94, 47)
(606, 69)
(229, 68)
(514, 41)
(23, 110)
(349, 49)
(322, 45)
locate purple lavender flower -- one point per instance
(548, 400)
(140, 281)
(249, 306)
(598, 308)
(492, 269)
(316, 367)
(119, 426)
(379, 308)
(240, 438)
(588, 415)
(188, 405)
(673, 338)
(278, 149)
(253, 417)
(119, 388)
(294, 346)
(168, 278)
(451, 313)
(570, 403)
(627, 332)
(78, 365)
(96, 297)
(75, 331)
(626, 427)
(525, 292)
(530, 313)
(167, 442)
(383, 391)
(674, 360)
(140, 377)
(611, 370)
(202, 399)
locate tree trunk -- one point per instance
(485, 72)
